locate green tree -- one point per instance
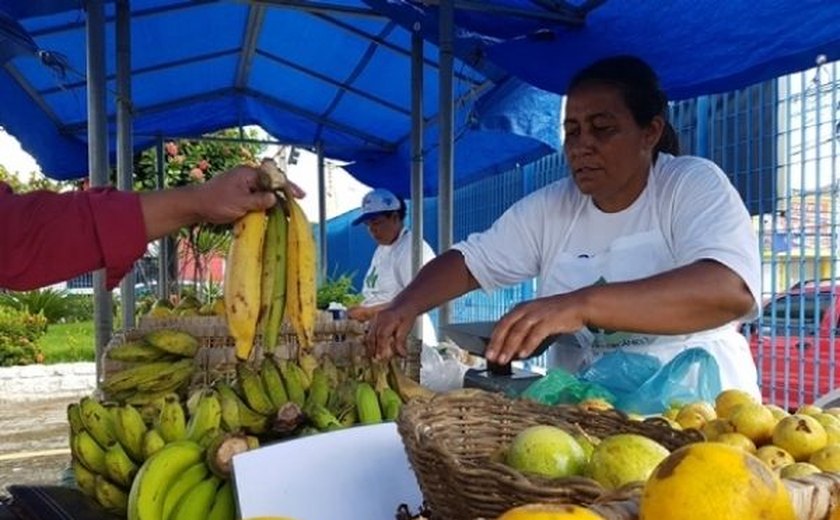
(36, 181)
(193, 161)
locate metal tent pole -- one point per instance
(322, 212)
(416, 150)
(125, 148)
(417, 160)
(163, 243)
(98, 159)
(446, 162)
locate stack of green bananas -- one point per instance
(271, 273)
(161, 362)
(307, 395)
(112, 447)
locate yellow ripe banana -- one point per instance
(242, 281)
(89, 452)
(157, 476)
(224, 505)
(190, 478)
(248, 419)
(208, 415)
(301, 270)
(152, 443)
(74, 417)
(252, 388)
(293, 378)
(367, 404)
(98, 421)
(173, 341)
(109, 496)
(85, 478)
(198, 501)
(120, 468)
(172, 422)
(273, 383)
(278, 230)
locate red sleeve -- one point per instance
(48, 237)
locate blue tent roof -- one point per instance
(697, 46)
(339, 75)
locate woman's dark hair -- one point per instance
(642, 94)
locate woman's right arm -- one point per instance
(443, 279)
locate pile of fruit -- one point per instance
(736, 474)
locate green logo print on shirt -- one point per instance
(371, 279)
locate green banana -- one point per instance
(252, 387)
(319, 390)
(224, 505)
(98, 421)
(268, 271)
(172, 423)
(157, 476)
(74, 417)
(144, 374)
(248, 419)
(198, 501)
(331, 371)
(178, 377)
(390, 403)
(321, 417)
(135, 352)
(293, 378)
(230, 413)
(273, 383)
(152, 443)
(85, 478)
(173, 341)
(120, 469)
(307, 363)
(188, 479)
(89, 452)
(208, 415)
(109, 496)
(130, 428)
(348, 417)
(367, 404)
(277, 230)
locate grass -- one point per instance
(68, 342)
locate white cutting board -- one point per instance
(360, 473)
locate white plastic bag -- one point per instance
(440, 368)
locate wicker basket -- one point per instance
(452, 440)
(341, 340)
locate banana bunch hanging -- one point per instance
(271, 271)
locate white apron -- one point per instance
(632, 257)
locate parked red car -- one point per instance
(794, 343)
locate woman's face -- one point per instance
(609, 155)
(384, 228)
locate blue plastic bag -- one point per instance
(641, 386)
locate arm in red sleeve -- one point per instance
(48, 237)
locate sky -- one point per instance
(304, 174)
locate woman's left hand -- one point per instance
(521, 330)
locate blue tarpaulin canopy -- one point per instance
(336, 74)
(337, 71)
(697, 46)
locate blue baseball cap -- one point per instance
(375, 203)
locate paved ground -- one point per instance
(33, 441)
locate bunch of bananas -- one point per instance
(161, 362)
(126, 459)
(270, 272)
(293, 397)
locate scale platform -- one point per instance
(474, 337)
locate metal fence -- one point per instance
(778, 143)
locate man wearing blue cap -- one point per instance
(390, 269)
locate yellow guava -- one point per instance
(546, 451)
(624, 458)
